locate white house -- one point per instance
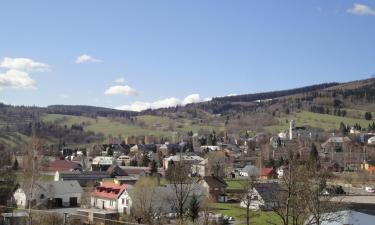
(102, 163)
(250, 170)
(198, 164)
(53, 194)
(112, 197)
(262, 196)
(280, 172)
(346, 217)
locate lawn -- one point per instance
(234, 184)
(239, 214)
(324, 121)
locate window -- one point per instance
(42, 196)
(123, 201)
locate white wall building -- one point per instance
(55, 193)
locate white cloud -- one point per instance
(16, 79)
(121, 90)
(87, 59)
(164, 103)
(23, 64)
(119, 80)
(193, 98)
(361, 9)
(230, 95)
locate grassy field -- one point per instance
(234, 184)
(239, 214)
(13, 139)
(151, 125)
(324, 121)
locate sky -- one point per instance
(135, 55)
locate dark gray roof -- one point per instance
(267, 190)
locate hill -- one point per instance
(323, 106)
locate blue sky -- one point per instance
(176, 52)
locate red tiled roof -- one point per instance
(267, 171)
(63, 165)
(109, 190)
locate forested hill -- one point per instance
(84, 110)
(274, 94)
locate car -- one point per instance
(370, 189)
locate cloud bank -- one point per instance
(16, 79)
(164, 103)
(17, 72)
(23, 64)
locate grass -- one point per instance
(324, 121)
(13, 139)
(234, 184)
(153, 125)
(239, 214)
(105, 125)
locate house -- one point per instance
(144, 148)
(268, 173)
(102, 163)
(197, 163)
(84, 178)
(262, 196)
(335, 144)
(216, 187)
(64, 165)
(250, 170)
(280, 172)
(164, 199)
(346, 217)
(55, 194)
(200, 168)
(111, 196)
(209, 148)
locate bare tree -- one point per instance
(247, 195)
(287, 203)
(32, 164)
(217, 163)
(319, 203)
(182, 185)
(143, 196)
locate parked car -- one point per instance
(370, 189)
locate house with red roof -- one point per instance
(268, 173)
(111, 196)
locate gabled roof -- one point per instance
(267, 190)
(215, 182)
(336, 140)
(109, 190)
(62, 187)
(267, 171)
(115, 170)
(63, 165)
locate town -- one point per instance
(209, 179)
(199, 112)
